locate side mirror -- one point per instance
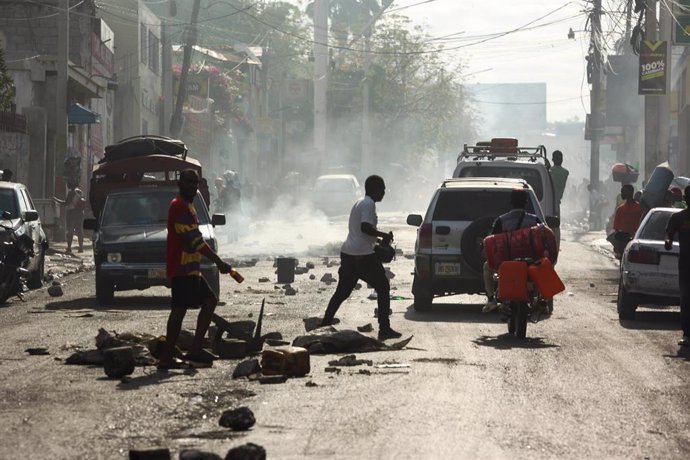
(89, 224)
(218, 219)
(30, 216)
(553, 221)
(414, 220)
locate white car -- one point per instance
(649, 273)
(336, 193)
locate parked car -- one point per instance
(23, 218)
(649, 273)
(449, 252)
(336, 193)
(505, 158)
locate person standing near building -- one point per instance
(680, 223)
(559, 175)
(74, 204)
(358, 261)
(190, 289)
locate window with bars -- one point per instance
(154, 53)
(143, 45)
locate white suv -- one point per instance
(494, 159)
(449, 251)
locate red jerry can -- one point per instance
(545, 278)
(496, 249)
(512, 281)
(504, 145)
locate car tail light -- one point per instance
(425, 236)
(643, 256)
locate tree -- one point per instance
(7, 90)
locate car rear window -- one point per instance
(470, 205)
(530, 175)
(146, 208)
(655, 227)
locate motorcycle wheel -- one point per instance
(9, 284)
(521, 320)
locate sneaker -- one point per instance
(685, 341)
(490, 306)
(389, 333)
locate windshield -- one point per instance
(8, 202)
(335, 185)
(530, 175)
(655, 227)
(148, 207)
(470, 205)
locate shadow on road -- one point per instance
(509, 341)
(121, 303)
(455, 313)
(153, 378)
(683, 353)
(654, 321)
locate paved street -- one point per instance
(582, 385)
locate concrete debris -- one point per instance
(230, 348)
(193, 454)
(591, 284)
(364, 372)
(301, 270)
(409, 256)
(246, 368)
(276, 287)
(118, 362)
(389, 274)
(247, 451)
(312, 277)
(310, 265)
(272, 379)
(243, 330)
(346, 341)
(55, 291)
(287, 360)
(334, 370)
(314, 322)
(264, 280)
(366, 328)
(290, 291)
(149, 454)
(272, 335)
(328, 278)
(311, 384)
(350, 360)
(38, 351)
(240, 419)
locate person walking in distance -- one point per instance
(74, 204)
(559, 175)
(358, 261)
(680, 223)
(186, 246)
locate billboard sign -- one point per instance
(652, 69)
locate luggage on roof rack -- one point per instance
(504, 148)
(144, 145)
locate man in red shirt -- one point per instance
(626, 219)
(186, 245)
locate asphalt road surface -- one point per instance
(582, 385)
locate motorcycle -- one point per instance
(15, 253)
(519, 296)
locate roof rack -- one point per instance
(496, 180)
(485, 151)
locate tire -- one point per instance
(105, 291)
(626, 304)
(521, 320)
(9, 280)
(472, 242)
(423, 297)
(36, 279)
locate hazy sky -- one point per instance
(541, 52)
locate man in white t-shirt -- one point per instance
(358, 261)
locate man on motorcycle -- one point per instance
(515, 219)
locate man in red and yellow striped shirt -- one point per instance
(186, 245)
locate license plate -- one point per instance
(156, 273)
(444, 268)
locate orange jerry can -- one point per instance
(512, 280)
(286, 360)
(545, 278)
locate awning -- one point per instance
(80, 115)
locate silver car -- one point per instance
(649, 273)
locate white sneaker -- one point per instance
(490, 306)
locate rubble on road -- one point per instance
(55, 290)
(194, 454)
(350, 360)
(37, 351)
(314, 322)
(271, 379)
(328, 278)
(247, 451)
(345, 341)
(310, 265)
(287, 360)
(118, 362)
(290, 291)
(264, 280)
(366, 328)
(246, 368)
(239, 419)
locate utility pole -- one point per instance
(320, 78)
(664, 120)
(57, 154)
(596, 127)
(176, 120)
(651, 103)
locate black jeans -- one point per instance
(366, 268)
(684, 280)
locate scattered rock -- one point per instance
(149, 454)
(373, 296)
(246, 368)
(366, 328)
(335, 370)
(230, 348)
(314, 322)
(194, 454)
(276, 287)
(55, 291)
(364, 372)
(273, 336)
(56, 283)
(327, 278)
(312, 277)
(311, 384)
(249, 451)
(591, 284)
(389, 274)
(350, 360)
(264, 280)
(37, 351)
(290, 291)
(240, 419)
(358, 286)
(243, 330)
(301, 270)
(398, 252)
(346, 341)
(86, 358)
(310, 265)
(272, 379)
(409, 256)
(118, 361)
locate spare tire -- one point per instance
(472, 243)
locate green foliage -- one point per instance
(7, 91)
